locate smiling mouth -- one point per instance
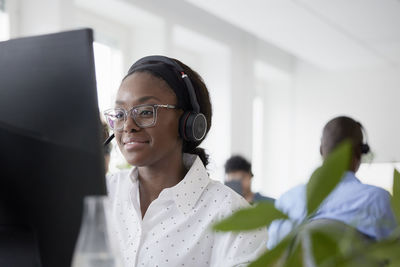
(135, 145)
(136, 142)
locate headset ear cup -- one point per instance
(198, 126)
(192, 126)
(182, 125)
(364, 146)
(364, 149)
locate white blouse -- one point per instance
(176, 229)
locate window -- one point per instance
(108, 63)
(4, 22)
(272, 130)
(257, 157)
(2, 5)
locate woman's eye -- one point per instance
(145, 113)
(119, 115)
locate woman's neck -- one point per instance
(153, 179)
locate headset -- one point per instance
(193, 123)
(364, 145)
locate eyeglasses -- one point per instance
(143, 115)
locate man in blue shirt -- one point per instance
(238, 177)
(365, 207)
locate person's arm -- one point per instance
(293, 204)
(277, 231)
(382, 215)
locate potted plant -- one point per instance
(321, 243)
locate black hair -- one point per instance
(173, 79)
(238, 163)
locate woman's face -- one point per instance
(148, 146)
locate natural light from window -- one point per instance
(108, 62)
(4, 22)
(257, 149)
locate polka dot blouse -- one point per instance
(176, 229)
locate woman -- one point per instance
(165, 206)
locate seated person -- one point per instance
(365, 207)
(238, 177)
(165, 206)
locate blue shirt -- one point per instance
(365, 207)
(257, 197)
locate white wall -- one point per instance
(244, 49)
(39, 16)
(297, 101)
(211, 59)
(139, 28)
(297, 107)
(370, 96)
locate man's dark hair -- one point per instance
(237, 163)
(340, 128)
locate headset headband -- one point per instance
(168, 61)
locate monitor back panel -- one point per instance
(50, 144)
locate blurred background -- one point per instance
(277, 71)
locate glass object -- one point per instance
(143, 115)
(95, 246)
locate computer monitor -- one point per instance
(50, 146)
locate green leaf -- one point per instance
(395, 234)
(254, 217)
(385, 249)
(296, 257)
(324, 247)
(360, 251)
(395, 263)
(336, 244)
(326, 177)
(273, 256)
(358, 260)
(344, 237)
(396, 195)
